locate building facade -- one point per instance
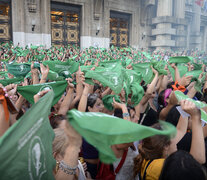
(154, 24)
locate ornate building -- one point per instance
(154, 24)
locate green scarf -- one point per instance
(102, 131)
(18, 69)
(108, 100)
(6, 82)
(28, 92)
(26, 147)
(111, 77)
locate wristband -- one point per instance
(125, 115)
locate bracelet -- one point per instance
(125, 115)
(67, 169)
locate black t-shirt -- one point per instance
(150, 117)
(185, 144)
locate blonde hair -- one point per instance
(61, 142)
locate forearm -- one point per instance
(181, 128)
(35, 78)
(165, 111)
(177, 75)
(19, 102)
(43, 79)
(197, 149)
(107, 91)
(83, 101)
(125, 113)
(71, 159)
(192, 92)
(72, 105)
(163, 84)
(151, 87)
(64, 107)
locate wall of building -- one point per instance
(155, 24)
(23, 20)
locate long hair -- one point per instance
(150, 148)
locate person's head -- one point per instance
(154, 147)
(181, 165)
(60, 143)
(173, 116)
(55, 120)
(94, 103)
(163, 98)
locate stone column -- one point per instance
(18, 22)
(45, 21)
(204, 48)
(195, 40)
(163, 23)
(179, 13)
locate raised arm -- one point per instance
(197, 149)
(71, 153)
(35, 74)
(44, 71)
(64, 107)
(83, 101)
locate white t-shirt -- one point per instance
(126, 172)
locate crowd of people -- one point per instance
(141, 88)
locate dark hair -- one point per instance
(91, 101)
(181, 165)
(96, 86)
(151, 148)
(173, 116)
(55, 120)
(161, 98)
(161, 103)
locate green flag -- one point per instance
(108, 100)
(28, 92)
(6, 82)
(102, 131)
(26, 147)
(180, 96)
(145, 70)
(137, 93)
(111, 77)
(180, 59)
(62, 68)
(194, 73)
(181, 68)
(18, 69)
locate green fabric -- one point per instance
(197, 66)
(199, 83)
(18, 69)
(160, 67)
(111, 77)
(111, 63)
(28, 92)
(145, 70)
(195, 74)
(181, 68)
(102, 131)
(180, 96)
(26, 147)
(108, 100)
(39, 57)
(179, 59)
(62, 68)
(137, 93)
(53, 76)
(6, 82)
